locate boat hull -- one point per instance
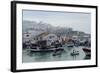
(87, 51)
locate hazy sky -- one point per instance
(77, 21)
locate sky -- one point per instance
(77, 21)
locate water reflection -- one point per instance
(48, 56)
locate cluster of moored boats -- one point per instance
(56, 48)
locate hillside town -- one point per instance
(56, 40)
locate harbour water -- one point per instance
(48, 56)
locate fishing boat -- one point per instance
(87, 51)
(74, 53)
(41, 50)
(58, 51)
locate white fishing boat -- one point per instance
(74, 53)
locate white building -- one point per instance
(48, 37)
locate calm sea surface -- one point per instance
(48, 56)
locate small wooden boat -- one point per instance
(38, 49)
(58, 51)
(74, 53)
(87, 51)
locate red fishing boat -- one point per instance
(87, 51)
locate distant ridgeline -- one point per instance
(40, 27)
